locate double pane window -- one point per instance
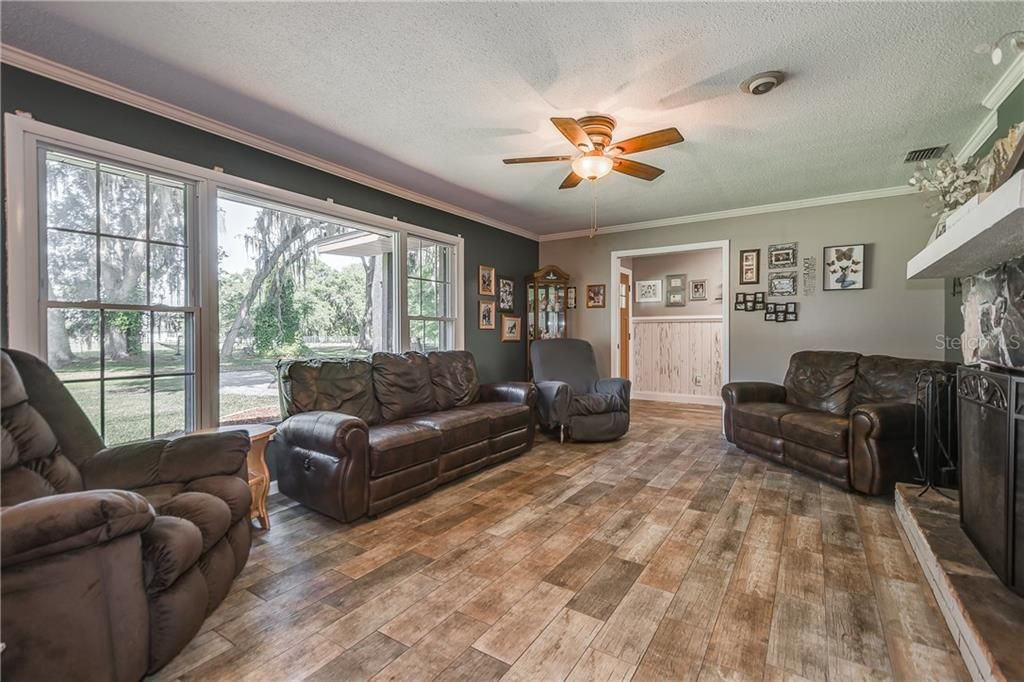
(430, 294)
(119, 320)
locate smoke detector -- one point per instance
(762, 83)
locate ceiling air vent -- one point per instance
(925, 154)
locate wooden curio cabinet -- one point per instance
(545, 306)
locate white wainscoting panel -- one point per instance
(677, 359)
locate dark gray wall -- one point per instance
(68, 107)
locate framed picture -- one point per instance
(780, 317)
(511, 328)
(782, 256)
(770, 307)
(769, 316)
(486, 281)
(790, 317)
(570, 298)
(741, 298)
(791, 307)
(739, 305)
(843, 267)
(595, 295)
(759, 297)
(487, 315)
(675, 290)
(782, 283)
(698, 290)
(648, 291)
(750, 306)
(506, 295)
(750, 266)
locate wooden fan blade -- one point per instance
(637, 169)
(641, 143)
(573, 132)
(571, 180)
(537, 159)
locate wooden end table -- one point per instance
(259, 475)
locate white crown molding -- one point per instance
(1010, 79)
(989, 124)
(65, 74)
(738, 212)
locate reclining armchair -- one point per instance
(111, 557)
(572, 398)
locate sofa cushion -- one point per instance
(458, 427)
(883, 379)
(504, 417)
(763, 417)
(344, 386)
(822, 380)
(402, 385)
(401, 445)
(818, 430)
(595, 403)
(454, 377)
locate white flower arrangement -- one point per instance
(955, 183)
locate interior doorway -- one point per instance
(625, 312)
(671, 330)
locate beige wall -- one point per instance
(892, 316)
(704, 264)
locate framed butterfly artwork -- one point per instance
(843, 267)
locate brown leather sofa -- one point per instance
(365, 436)
(840, 416)
(111, 557)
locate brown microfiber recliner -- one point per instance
(111, 557)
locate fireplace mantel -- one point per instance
(987, 234)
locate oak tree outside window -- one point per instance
(119, 320)
(163, 294)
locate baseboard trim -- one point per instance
(677, 397)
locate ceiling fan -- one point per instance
(592, 135)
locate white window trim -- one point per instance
(26, 301)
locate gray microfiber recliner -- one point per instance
(572, 398)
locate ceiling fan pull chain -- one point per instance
(593, 223)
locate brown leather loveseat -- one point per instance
(364, 436)
(112, 557)
(840, 416)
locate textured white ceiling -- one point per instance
(431, 97)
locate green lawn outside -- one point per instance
(127, 401)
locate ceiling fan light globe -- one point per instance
(592, 166)
(997, 55)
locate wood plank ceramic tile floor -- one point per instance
(667, 555)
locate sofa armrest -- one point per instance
(882, 446)
(522, 392)
(553, 398)
(884, 421)
(323, 462)
(57, 524)
(615, 386)
(155, 462)
(329, 433)
(747, 392)
(753, 392)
